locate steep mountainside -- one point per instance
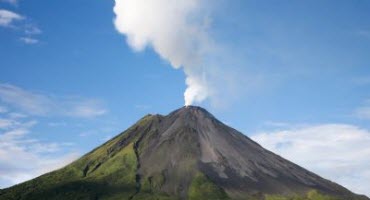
(187, 154)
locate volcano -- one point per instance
(187, 154)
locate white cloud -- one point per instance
(8, 17)
(29, 40)
(31, 29)
(276, 124)
(363, 112)
(57, 124)
(3, 109)
(30, 102)
(87, 109)
(339, 152)
(181, 33)
(177, 31)
(33, 157)
(38, 104)
(15, 115)
(6, 123)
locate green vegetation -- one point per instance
(106, 173)
(153, 183)
(312, 195)
(112, 180)
(202, 188)
(153, 196)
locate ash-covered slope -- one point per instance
(187, 154)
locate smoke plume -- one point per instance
(177, 31)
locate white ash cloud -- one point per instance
(179, 32)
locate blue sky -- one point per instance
(285, 69)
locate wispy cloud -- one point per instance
(29, 40)
(339, 152)
(3, 109)
(33, 157)
(31, 29)
(6, 123)
(15, 115)
(276, 124)
(30, 102)
(363, 112)
(57, 124)
(7, 18)
(13, 2)
(39, 104)
(18, 116)
(86, 109)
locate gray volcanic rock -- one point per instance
(227, 157)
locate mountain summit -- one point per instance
(187, 154)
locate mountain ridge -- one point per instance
(171, 157)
